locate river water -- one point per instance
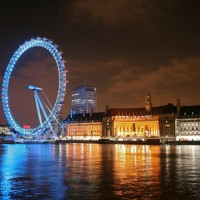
(99, 171)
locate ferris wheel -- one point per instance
(55, 109)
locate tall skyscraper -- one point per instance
(84, 99)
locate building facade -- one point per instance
(166, 123)
(84, 100)
(84, 126)
(4, 130)
(131, 127)
(141, 123)
(187, 123)
(84, 130)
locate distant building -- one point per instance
(4, 130)
(187, 123)
(84, 100)
(84, 126)
(140, 123)
(167, 114)
(148, 105)
(131, 126)
(166, 123)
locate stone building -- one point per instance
(4, 130)
(84, 126)
(167, 122)
(137, 123)
(187, 123)
(141, 123)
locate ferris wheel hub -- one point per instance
(33, 87)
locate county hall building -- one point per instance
(125, 123)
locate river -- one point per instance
(99, 171)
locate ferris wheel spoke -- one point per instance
(47, 99)
(37, 108)
(50, 110)
(41, 105)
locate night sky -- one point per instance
(124, 48)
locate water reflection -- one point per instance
(180, 172)
(137, 171)
(95, 171)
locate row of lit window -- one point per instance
(81, 131)
(85, 134)
(189, 124)
(84, 128)
(136, 119)
(189, 133)
(84, 124)
(189, 129)
(75, 94)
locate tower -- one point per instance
(84, 99)
(148, 104)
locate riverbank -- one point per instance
(182, 142)
(102, 141)
(108, 141)
(139, 142)
(6, 141)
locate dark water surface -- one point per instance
(96, 171)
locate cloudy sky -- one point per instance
(122, 47)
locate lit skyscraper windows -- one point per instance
(84, 99)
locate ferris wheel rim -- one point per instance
(52, 48)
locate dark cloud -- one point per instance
(116, 13)
(122, 84)
(179, 79)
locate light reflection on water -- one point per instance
(96, 171)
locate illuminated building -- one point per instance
(5, 130)
(140, 123)
(130, 123)
(84, 100)
(187, 123)
(84, 126)
(134, 127)
(167, 116)
(166, 123)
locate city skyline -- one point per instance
(123, 48)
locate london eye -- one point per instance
(49, 117)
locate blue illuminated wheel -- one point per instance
(48, 45)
